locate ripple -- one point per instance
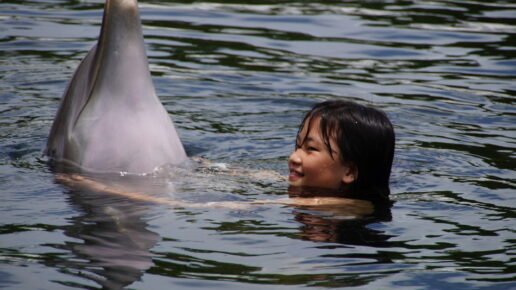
(237, 78)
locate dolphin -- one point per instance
(110, 119)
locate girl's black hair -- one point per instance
(365, 138)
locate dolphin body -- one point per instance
(110, 119)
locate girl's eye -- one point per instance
(311, 148)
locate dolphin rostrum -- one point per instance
(110, 119)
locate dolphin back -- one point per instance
(110, 119)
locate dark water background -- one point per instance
(236, 77)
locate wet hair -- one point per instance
(365, 138)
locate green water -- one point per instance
(236, 78)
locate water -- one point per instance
(236, 78)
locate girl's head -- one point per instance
(344, 146)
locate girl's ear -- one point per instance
(350, 175)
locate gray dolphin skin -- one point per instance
(110, 119)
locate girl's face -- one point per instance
(312, 165)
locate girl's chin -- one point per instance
(294, 184)
(295, 181)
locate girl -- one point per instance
(343, 149)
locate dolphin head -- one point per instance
(110, 119)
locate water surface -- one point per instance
(236, 79)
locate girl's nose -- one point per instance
(295, 158)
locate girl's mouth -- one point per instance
(294, 175)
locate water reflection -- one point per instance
(344, 222)
(324, 226)
(113, 239)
